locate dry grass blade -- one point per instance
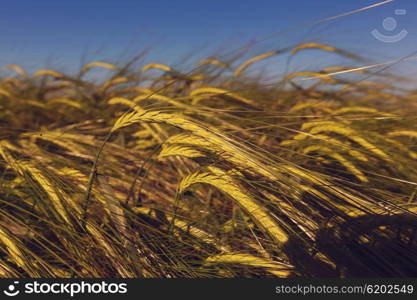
(277, 269)
(224, 182)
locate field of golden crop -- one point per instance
(158, 173)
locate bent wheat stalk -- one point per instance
(227, 184)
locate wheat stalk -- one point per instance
(226, 183)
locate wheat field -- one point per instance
(157, 173)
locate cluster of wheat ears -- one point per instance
(209, 173)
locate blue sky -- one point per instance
(58, 33)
